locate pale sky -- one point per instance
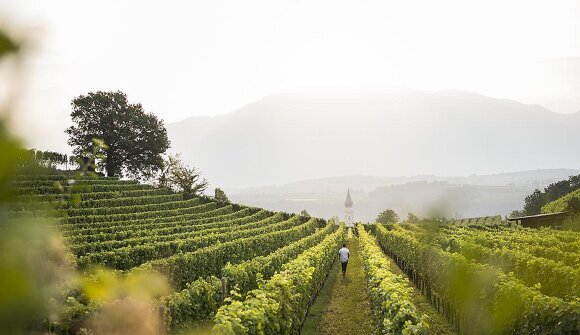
(185, 58)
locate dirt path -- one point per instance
(342, 307)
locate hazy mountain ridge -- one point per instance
(531, 178)
(306, 135)
(454, 196)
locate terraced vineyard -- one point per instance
(203, 248)
(244, 270)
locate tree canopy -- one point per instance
(220, 196)
(135, 140)
(178, 176)
(388, 216)
(535, 201)
(412, 218)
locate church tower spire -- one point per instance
(348, 213)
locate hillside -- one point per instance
(560, 204)
(294, 136)
(131, 227)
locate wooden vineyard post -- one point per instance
(224, 289)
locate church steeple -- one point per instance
(348, 202)
(348, 217)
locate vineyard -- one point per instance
(243, 270)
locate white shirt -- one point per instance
(343, 253)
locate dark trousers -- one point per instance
(344, 266)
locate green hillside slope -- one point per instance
(560, 204)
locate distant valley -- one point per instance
(422, 195)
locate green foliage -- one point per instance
(133, 139)
(178, 176)
(540, 201)
(390, 294)
(534, 202)
(32, 262)
(544, 243)
(492, 301)
(199, 300)
(130, 256)
(109, 227)
(387, 216)
(517, 213)
(126, 207)
(51, 159)
(279, 305)
(574, 205)
(342, 306)
(145, 199)
(496, 220)
(7, 45)
(572, 223)
(40, 291)
(245, 276)
(220, 196)
(120, 230)
(412, 218)
(564, 203)
(182, 268)
(214, 220)
(177, 209)
(504, 249)
(64, 301)
(130, 253)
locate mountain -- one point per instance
(529, 179)
(308, 135)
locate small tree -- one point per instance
(178, 176)
(135, 140)
(388, 216)
(412, 218)
(574, 182)
(305, 214)
(220, 196)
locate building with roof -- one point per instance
(541, 220)
(348, 212)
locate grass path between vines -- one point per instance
(343, 306)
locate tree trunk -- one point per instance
(110, 165)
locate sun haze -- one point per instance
(210, 57)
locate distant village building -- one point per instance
(348, 215)
(554, 220)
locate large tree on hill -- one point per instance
(135, 140)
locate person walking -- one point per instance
(343, 255)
